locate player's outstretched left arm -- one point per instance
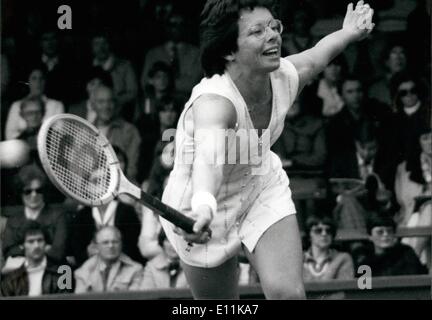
(356, 26)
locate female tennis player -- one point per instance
(248, 88)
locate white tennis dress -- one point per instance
(249, 200)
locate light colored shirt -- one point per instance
(15, 124)
(32, 214)
(123, 275)
(107, 219)
(35, 275)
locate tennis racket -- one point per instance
(82, 164)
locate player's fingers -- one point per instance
(202, 221)
(201, 237)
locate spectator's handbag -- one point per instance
(81, 163)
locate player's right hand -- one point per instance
(202, 234)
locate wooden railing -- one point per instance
(400, 287)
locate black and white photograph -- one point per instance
(232, 151)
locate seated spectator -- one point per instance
(303, 151)
(88, 220)
(152, 129)
(300, 38)
(32, 111)
(85, 109)
(119, 132)
(321, 261)
(357, 109)
(32, 187)
(164, 270)
(414, 195)
(160, 88)
(184, 58)
(395, 60)
(109, 269)
(366, 158)
(387, 256)
(327, 89)
(413, 114)
(122, 74)
(413, 177)
(60, 82)
(15, 124)
(37, 275)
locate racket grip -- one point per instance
(169, 213)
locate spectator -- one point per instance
(327, 90)
(88, 220)
(366, 158)
(386, 256)
(119, 132)
(184, 58)
(109, 269)
(32, 187)
(321, 261)
(357, 109)
(164, 270)
(413, 177)
(414, 195)
(122, 74)
(395, 60)
(300, 37)
(15, 124)
(163, 115)
(160, 87)
(37, 275)
(32, 111)
(413, 114)
(60, 82)
(85, 109)
(303, 151)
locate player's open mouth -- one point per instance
(271, 52)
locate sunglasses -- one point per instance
(405, 92)
(29, 191)
(321, 230)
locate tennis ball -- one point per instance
(13, 153)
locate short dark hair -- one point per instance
(316, 220)
(32, 227)
(29, 173)
(219, 30)
(379, 220)
(350, 77)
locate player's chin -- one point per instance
(270, 63)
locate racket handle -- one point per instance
(169, 213)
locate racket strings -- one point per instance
(77, 158)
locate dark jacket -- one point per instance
(52, 219)
(16, 282)
(303, 142)
(398, 260)
(83, 228)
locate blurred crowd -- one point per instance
(357, 143)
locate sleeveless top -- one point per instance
(243, 180)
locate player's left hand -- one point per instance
(358, 20)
